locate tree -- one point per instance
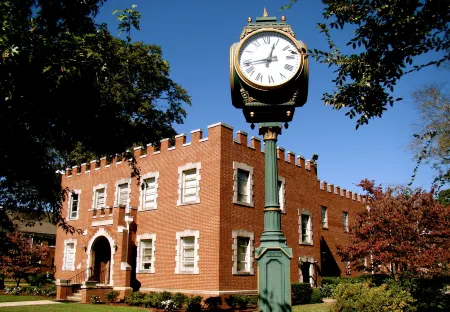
(432, 142)
(444, 197)
(22, 257)
(389, 36)
(404, 232)
(71, 92)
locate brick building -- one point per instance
(192, 221)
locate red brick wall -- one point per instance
(215, 216)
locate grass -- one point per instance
(318, 307)
(73, 307)
(11, 298)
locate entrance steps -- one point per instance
(76, 297)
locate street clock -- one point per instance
(268, 71)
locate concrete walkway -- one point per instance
(27, 303)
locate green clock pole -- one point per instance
(273, 255)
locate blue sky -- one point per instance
(196, 36)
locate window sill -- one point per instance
(306, 244)
(188, 204)
(145, 272)
(325, 228)
(243, 274)
(243, 204)
(147, 209)
(187, 273)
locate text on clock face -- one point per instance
(269, 58)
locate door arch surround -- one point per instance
(101, 233)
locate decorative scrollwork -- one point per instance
(246, 97)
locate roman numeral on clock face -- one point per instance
(290, 57)
(282, 76)
(286, 47)
(256, 43)
(250, 70)
(289, 67)
(259, 77)
(271, 79)
(266, 40)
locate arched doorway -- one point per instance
(101, 261)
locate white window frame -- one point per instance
(324, 217)
(301, 240)
(150, 175)
(179, 251)
(345, 221)
(241, 166)
(65, 254)
(95, 191)
(140, 239)
(70, 205)
(251, 252)
(282, 193)
(181, 181)
(117, 192)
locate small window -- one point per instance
(189, 188)
(306, 229)
(149, 193)
(146, 254)
(345, 221)
(243, 186)
(122, 194)
(100, 198)
(324, 217)
(188, 254)
(74, 205)
(69, 257)
(281, 194)
(243, 254)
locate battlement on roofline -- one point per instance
(197, 138)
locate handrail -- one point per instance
(79, 278)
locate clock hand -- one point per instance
(272, 58)
(271, 52)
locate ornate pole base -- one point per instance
(273, 255)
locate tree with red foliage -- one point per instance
(21, 257)
(403, 232)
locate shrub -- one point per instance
(193, 304)
(13, 291)
(50, 291)
(165, 295)
(96, 300)
(112, 296)
(326, 291)
(241, 302)
(301, 293)
(136, 299)
(363, 297)
(167, 305)
(213, 303)
(40, 279)
(316, 296)
(152, 300)
(179, 299)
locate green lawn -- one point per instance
(10, 298)
(73, 307)
(319, 307)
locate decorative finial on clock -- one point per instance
(265, 14)
(283, 18)
(249, 19)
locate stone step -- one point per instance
(77, 294)
(73, 298)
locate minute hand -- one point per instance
(273, 58)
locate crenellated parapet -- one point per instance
(217, 131)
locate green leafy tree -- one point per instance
(389, 37)
(69, 92)
(444, 197)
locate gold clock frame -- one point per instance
(258, 86)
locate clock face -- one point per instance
(268, 59)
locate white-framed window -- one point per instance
(243, 252)
(149, 191)
(189, 184)
(305, 227)
(74, 204)
(187, 252)
(70, 247)
(324, 215)
(99, 196)
(282, 193)
(146, 253)
(345, 221)
(243, 184)
(122, 193)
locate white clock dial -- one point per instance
(268, 59)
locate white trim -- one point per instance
(189, 166)
(101, 232)
(282, 194)
(149, 175)
(139, 238)
(116, 191)
(324, 220)
(95, 189)
(102, 222)
(201, 292)
(70, 203)
(179, 236)
(251, 252)
(345, 224)
(66, 242)
(241, 166)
